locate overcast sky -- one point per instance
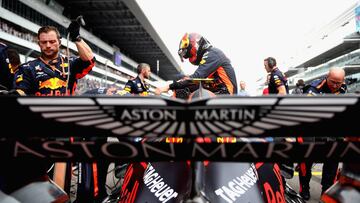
(247, 31)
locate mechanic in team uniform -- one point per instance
(333, 83)
(211, 62)
(138, 86)
(49, 75)
(277, 81)
(278, 84)
(9, 62)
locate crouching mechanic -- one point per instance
(50, 75)
(211, 62)
(333, 83)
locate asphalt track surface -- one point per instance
(315, 186)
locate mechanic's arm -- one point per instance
(128, 89)
(281, 90)
(24, 81)
(208, 65)
(180, 84)
(84, 50)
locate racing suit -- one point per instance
(329, 169)
(213, 64)
(42, 78)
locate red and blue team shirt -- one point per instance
(51, 78)
(277, 79)
(319, 86)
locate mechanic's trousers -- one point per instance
(329, 171)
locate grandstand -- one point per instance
(334, 44)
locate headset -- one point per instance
(271, 62)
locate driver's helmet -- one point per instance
(193, 46)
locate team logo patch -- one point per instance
(38, 68)
(144, 94)
(205, 56)
(277, 80)
(64, 65)
(19, 78)
(52, 83)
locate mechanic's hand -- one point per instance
(184, 78)
(74, 31)
(160, 90)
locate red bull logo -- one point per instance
(52, 83)
(185, 41)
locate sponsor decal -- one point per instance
(277, 80)
(185, 41)
(206, 55)
(52, 83)
(238, 186)
(155, 183)
(174, 140)
(273, 194)
(130, 185)
(144, 94)
(225, 114)
(148, 114)
(19, 78)
(53, 93)
(199, 115)
(226, 139)
(64, 65)
(135, 151)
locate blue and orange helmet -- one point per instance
(193, 46)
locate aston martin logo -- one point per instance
(155, 117)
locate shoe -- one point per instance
(305, 194)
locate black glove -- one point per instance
(9, 92)
(4, 92)
(74, 31)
